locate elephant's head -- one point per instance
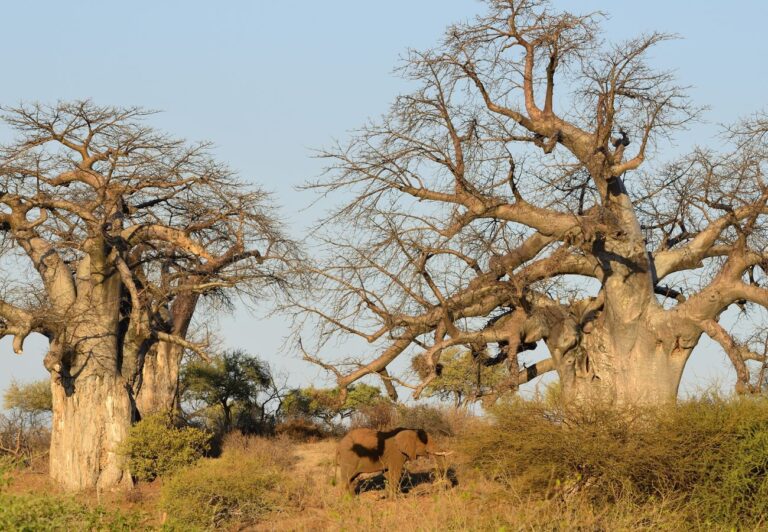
(416, 443)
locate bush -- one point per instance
(7, 465)
(435, 420)
(155, 447)
(379, 416)
(36, 512)
(709, 456)
(22, 437)
(250, 481)
(301, 430)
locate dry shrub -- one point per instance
(709, 456)
(378, 416)
(438, 421)
(461, 420)
(250, 481)
(22, 439)
(301, 430)
(430, 418)
(486, 506)
(279, 449)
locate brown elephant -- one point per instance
(371, 451)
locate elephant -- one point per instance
(371, 451)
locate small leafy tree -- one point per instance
(326, 404)
(33, 399)
(24, 430)
(230, 384)
(463, 378)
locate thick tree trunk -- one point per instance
(638, 363)
(160, 380)
(93, 405)
(159, 385)
(635, 378)
(91, 417)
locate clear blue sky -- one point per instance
(266, 81)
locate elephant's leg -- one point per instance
(393, 475)
(352, 484)
(348, 475)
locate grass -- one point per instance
(249, 483)
(704, 460)
(31, 512)
(702, 465)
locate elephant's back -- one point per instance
(358, 437)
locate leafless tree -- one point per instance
(113, 234)
(491, 209)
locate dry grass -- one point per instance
(476, 503)
(700, 466)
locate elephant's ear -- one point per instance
(406, 442)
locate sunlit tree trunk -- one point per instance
(91, 417)
(158, 390)
(634, 368)
(92, 401)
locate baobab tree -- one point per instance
(511, 200)
(113, 234)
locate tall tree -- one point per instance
(126, 231)
(507, 202)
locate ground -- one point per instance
(326, 506)
(315, 461)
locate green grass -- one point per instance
(30, 512)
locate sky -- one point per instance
(267, 82)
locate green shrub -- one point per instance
(241, 488)
(40, 513)
(155, 447)
(709, 456)
(7, 465)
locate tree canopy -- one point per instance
(230, 381)
(511, 199)
(328, 404)
(33, 398)
(461, 378)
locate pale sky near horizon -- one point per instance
(267, 82)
